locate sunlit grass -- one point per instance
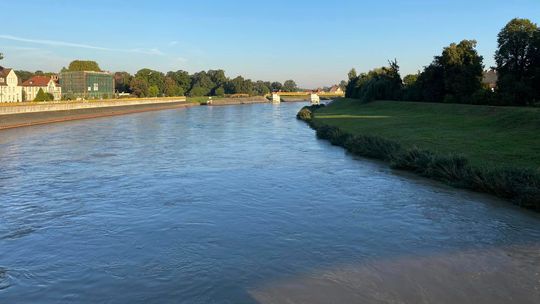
(487, 136)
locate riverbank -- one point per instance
(29, 114)
(483, 148)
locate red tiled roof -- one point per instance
(4, 74)
(37, 81)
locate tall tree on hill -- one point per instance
(517, 59)
(84, 65)
(463, 70)
(454, 76)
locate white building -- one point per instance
(10, 90)
(46, 83)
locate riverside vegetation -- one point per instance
(440, 141)
(450, 133)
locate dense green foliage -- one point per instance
(382, 83)
(42, 96)
(203, 83)
(518, 63)
(439, 141)
(456, 76)
(84, 65)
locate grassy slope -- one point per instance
(491, 136)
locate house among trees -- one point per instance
(10, 90)
(336, 90)
(489, 78)
(48, 84)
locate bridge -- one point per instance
(313, 97)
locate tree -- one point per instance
(463, 70)
(382, 83)
(352, 74)
(276, 86)
(42, 96)
(24, 75)
(454, 76)
(219, 91)
(410, 80)
(290, 86)
(122, 82)
(84, 65)
(261, 88)
(1, 56)
(239, 85)
(202, 84)
(172, 88)
(343, 85)
(153, 91)
(182, 79)
(153, 78)
(198, 91)
(217, 77)
(411, 90)
(139, 87)
(517, 62)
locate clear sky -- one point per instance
(313, 42)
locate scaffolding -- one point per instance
(87, 85)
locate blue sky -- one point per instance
(314, 42)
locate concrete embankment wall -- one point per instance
(242, 100)
(45, 117)
(65, 106)
(29, 114)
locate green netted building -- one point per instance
(86, 85)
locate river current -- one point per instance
(242, 204)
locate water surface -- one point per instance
(241, 204)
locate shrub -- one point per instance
(42, 96)
(372, 147)
(304, 114)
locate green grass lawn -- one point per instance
(485, 135)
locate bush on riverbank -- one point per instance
(305, 113)
(517, 184)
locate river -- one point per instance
(242, 204)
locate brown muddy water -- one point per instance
(242, 204)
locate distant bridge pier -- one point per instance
(276, 98)
(315, 99)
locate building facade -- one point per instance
(10, 90)
(87, 85)
(336, 90)
(46, 83)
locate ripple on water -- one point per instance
(5, 281)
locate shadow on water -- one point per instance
(241, 204)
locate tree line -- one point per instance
(456, 75)
(151, 83)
